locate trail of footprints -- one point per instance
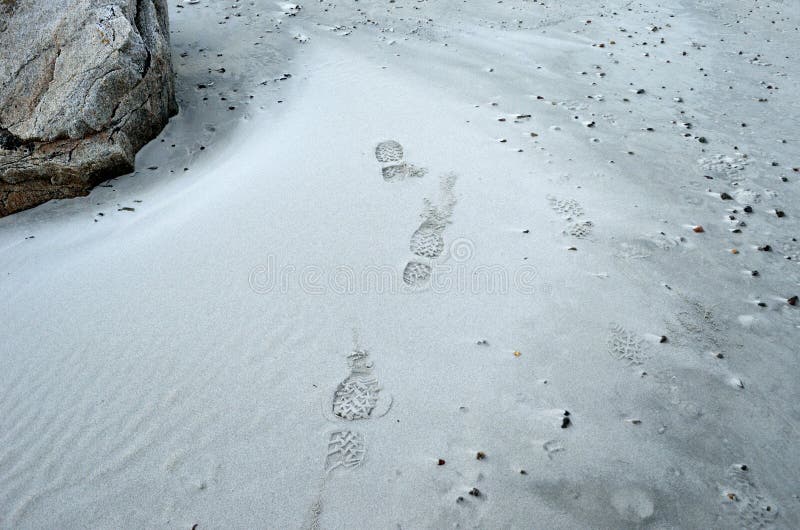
(427, 241)
(359, 396)
(571, 211)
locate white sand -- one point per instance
(152, 376)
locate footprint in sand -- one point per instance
(730, 168)
(390, 154)
(358, 397)
(697, 326)
(427, 241)
(570, 210)
(743, 500)
(626, 346)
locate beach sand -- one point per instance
(381, 238)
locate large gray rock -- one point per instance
(84, 84)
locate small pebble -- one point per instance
(441, 462)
